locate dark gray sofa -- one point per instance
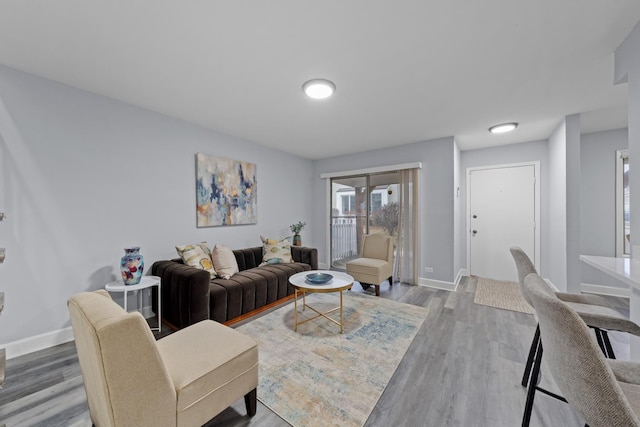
(189, 295)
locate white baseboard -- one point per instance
(38, 342)
(49, 339)
(440, 284)
(605, 290)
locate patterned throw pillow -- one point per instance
(198, 256)
(275, 252)
(224, 261)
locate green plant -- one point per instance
(296, 228)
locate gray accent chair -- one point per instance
(596, 312)
(603, 392)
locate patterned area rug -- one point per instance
(504, 295)
(319, 377)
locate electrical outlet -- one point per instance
(428, 270)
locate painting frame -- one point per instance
(226, 192)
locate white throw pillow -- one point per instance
(224, 261)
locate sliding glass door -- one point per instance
(361, 205)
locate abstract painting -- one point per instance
(226, 191)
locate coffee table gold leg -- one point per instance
(340, 311)
(295, 310)
(304, 301)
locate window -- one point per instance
(623, 220)
(376, 201)
(348, 204)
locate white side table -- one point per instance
(145, 282)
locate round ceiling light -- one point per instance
(319, 88)
(504, 127)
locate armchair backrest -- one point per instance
(124, 377)
(378, 246)
(576, 362)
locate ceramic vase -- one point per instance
(297, 240)
(131, 266)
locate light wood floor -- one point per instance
(463, 369)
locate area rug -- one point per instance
(319, 377)
(499, 294)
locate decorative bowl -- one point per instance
(318, 278)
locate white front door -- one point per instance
(501, 213)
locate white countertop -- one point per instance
(623, 269)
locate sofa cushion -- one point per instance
(224, 262)
(198, 256)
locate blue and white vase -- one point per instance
(131, 266)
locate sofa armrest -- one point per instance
(305, 255)
(185, 292)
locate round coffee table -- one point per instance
(340, 282)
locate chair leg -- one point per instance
(598, 332)
(377, 290)
(531, 392)
(251, 402)
(607, 344)
(532, 355)
(390, 280)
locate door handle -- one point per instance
(474, 232)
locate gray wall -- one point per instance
(627, 69)
(459, 260)
(84, 176)
(508, 154)
(573, 202)
(598, 199)
(437, 193)
(557, 187)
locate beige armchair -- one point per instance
(184, 379)
(376, 264)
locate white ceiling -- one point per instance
(405, 71)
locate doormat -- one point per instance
(503, 295)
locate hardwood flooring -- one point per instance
(463, 369)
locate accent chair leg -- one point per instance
(390, 280)
(532, 355)
(531, 393)
(607, 344)
(251, 402)
(377, 290)
(598, 332)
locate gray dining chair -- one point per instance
(601, 391)
(596, 312)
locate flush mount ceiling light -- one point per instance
(504, 127)
(319, 88)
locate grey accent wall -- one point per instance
(573, 202)
(627, 69)
(436, 198)
(557, 187)
(459, 261)
(598, 199)
(84, 176)
(507, 154)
